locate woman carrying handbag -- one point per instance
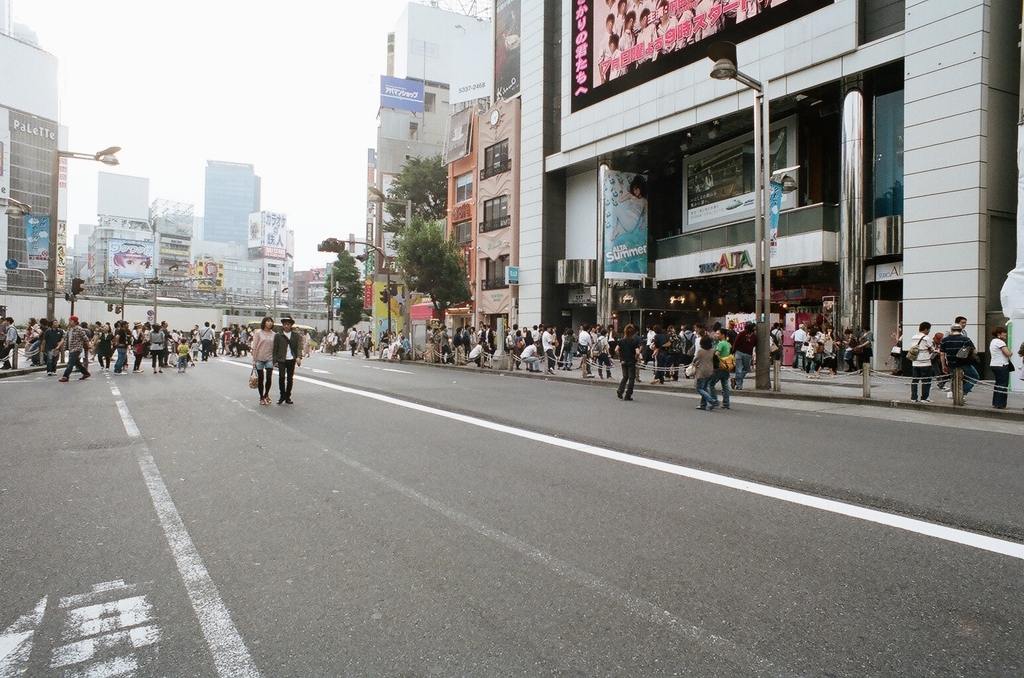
(263, 358)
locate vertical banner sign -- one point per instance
(507, 31)
(37, 240)
(774, 206)
(368, 295)
(625, 226)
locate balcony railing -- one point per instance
(493, 283)
(495, 224)
(496, 169)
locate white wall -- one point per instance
(28, 79)
(581, 216)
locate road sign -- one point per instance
(11, 264)
(149, 313)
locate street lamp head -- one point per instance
(361, 257)
(724, 70)
(17, 208)
(108, 159)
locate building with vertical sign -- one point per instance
(895, 122)
(29, 136)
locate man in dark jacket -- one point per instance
(287, 354)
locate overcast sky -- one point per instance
(290, 87)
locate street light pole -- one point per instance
(337, 246)
(107, 157)
(724, 56)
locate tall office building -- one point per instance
(232, 194)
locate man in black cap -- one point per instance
(287, 354)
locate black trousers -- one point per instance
(285, 375)
(628, 379)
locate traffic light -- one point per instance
(110, 308)
(331, 245)
(385, 297)
(76, 286)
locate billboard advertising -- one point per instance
(507, 32)
(720, 181)
(129, 258)
(267, 234)
(472, 78)
(255, 237)
(619, 45)
(401, 94)
(37, 241)
(624, 196)
(212, 273)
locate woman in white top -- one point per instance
(999, 361)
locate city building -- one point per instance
(895, 122)
(173, 223)
(232, 193)
(497, 206)
(121, 246)
(29, 138)
(414, 113)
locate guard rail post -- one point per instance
(777, 376)
(958, 386)
(865, 374)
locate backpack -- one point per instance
(689, 343)
(675, 345)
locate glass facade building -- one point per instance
(232, 194)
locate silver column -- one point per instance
(851, 214)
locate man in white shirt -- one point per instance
(586, 343)
(547, 344)
(921, 363)
(799, 340)
(530, 358)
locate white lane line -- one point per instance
(389, 369)
(230, 655)
(950, 534)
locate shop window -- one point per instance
(888, 165)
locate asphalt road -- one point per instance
(408, 520)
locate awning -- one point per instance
(424, 311)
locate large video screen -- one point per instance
(619, 44)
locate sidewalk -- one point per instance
(845, 388)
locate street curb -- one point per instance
(998, 415)
(6, 374)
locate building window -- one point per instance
(494, 273)
(496, 159)
(495, 214)
(888, 169)
(463, 232)
(414, 131)
(429, 102)
(464, 187)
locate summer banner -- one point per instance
(625, 225)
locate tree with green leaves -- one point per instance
(424, 181)
(346, 276)
(432, 264)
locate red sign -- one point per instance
(368, 295)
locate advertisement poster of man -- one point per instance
(625, 225)
(506, 49)
(130, 258)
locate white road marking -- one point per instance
(950, 534)
(16, 642)
(389, 369)
(230, 655)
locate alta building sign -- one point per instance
(729, 261)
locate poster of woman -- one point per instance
(625, 225)
(130, 258)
